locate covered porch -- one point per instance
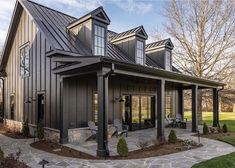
(104, 69)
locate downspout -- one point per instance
(3, 98)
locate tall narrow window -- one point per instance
(12, 107)
(140, 53)
(24, 61)
(95, 107)
(99, 40)
(168, 61)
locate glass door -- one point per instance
(135, 112)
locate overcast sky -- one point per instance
(124, 14)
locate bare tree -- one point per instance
(203, 32)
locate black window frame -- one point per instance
(99, 40)
(140, 53)
(23, 58)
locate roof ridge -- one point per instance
(51, 9)
(157, 41)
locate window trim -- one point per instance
(143, 51)
(20, 48)
(104, 38)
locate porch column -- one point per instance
(181, 101)
(160, 109)
(64, 113)
(215, 108)
(194, 108)
(102, 90)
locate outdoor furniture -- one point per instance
(93, 129)
(169, 122)
(120, 128)
(181, 122)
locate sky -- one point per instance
(124, 14)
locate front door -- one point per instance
(138, 111)
(41, 107)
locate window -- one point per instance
(95, 107)
(24, 61)
(99, 40)
(12, 107)
(168, 61)
(140, 53)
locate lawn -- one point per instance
(226, 161)
(227, 118)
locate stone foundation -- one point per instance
(13, 125)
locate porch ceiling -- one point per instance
(130, 69)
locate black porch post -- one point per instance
(215, 108)
(160, 109)
(194, 107)
(102, 89)
(181, 101)
(63, 112)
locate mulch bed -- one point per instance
(10, 163)
(12, 134)
(217, 135)
(155, 150)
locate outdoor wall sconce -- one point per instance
(118, 99)
(30, 99)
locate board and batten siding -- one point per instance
(40, 79)
(79, 92)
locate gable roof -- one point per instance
(139, 31)
(98, 14)
(162, 43)
(54, 25)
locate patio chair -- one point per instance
(93, 129)
(168, 122)
(181, 122)
(120, 128)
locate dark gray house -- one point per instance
(66, 71)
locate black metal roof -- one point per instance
(54, 25)
(128, 32)
(165, 42)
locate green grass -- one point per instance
(226, 161)
(228, 139)
(227, 118)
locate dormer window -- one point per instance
(168, 61)
(99, 43)
(140, 53)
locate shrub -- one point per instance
(172, 138)
(1, 154)
(205, 129)
(122, 148)
(225, 128)
(40, 131)
(142, 144)
(25, 128)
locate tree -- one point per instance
(204, 37)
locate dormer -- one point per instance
(132, 43)
(161, 53)
(91, 29)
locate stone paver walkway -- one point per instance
(184, 159)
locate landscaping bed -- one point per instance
(12, 134)
(151, 151)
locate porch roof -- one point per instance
(130, 69)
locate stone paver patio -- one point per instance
(184, 159)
